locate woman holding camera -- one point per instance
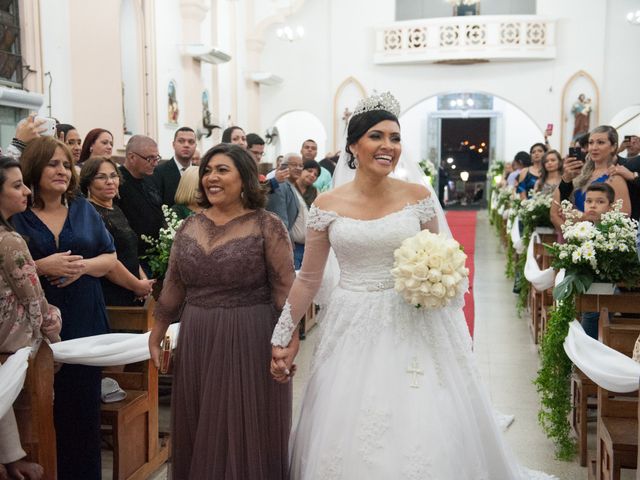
(577, 174)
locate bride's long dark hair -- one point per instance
(360, 124)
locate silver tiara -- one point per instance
(382, 101)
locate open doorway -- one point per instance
(465, 146)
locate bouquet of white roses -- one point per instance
(160, 248)
(429, 270)
(604, 251)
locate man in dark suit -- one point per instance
(167, 175)
(139, 198)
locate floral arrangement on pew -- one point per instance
(501, 200)
(429, 270)
(604, 252)
(533, 213)
(159, 249)
(429, 169)
(495, 172)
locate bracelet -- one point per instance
(18, 143)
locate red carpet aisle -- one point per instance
(463, 228)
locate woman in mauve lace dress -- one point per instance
(230, 269)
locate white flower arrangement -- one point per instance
(160, 248)
(604, 251)
(429, 270)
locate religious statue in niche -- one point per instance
(346, 115)
(174, 111)
(207, 122)
(581, 111)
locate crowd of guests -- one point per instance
(598, 171)
(72, 221)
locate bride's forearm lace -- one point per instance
(284, 328)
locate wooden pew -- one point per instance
(34, 411)
(138, 448)
(582, 388)
(617, 431)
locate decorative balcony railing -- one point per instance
(467, 39)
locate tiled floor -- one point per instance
(507, 358)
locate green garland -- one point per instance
(510, 270)
(553, 381)
(523, 284)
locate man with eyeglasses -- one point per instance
(139, 198)
(167, 175)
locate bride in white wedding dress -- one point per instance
(393, 391)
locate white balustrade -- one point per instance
(468, 39)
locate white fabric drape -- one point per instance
(516, 239)
(98, 351)
(605, 366)
(540, 279)
(12, 375)
(109, 349)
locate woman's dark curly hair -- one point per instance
(253, 195)
(360, 124)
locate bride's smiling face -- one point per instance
(378, 150)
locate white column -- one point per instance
(193, 14)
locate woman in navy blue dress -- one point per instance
(72, 250)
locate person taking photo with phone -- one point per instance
(578, 174)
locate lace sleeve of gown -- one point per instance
(308, 280)
(173, 291)
(33, 311)
(426, 211)
(279, 259)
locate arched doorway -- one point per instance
(294, 128)
(466, 132)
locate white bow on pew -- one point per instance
(540, 279)
(608, 368)
(99, 351)
(12, 375)
(516, 239)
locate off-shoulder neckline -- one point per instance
(406, 207)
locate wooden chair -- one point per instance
(34, 411)
(617, 431)
(138, 448)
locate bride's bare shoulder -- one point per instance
(413, 191)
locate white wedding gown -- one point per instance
(394, 392)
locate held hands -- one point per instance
(143, 288)
(282, 366)
(61, 264)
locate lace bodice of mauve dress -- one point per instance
(207, 258)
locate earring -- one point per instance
(242, 195)
(355, 161)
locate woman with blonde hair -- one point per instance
(601, 156)
(187, 194)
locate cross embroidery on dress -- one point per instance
(414, 370)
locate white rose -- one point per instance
(448, 281)
(435, 275)
(438, 290)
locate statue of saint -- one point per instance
(581, 111)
